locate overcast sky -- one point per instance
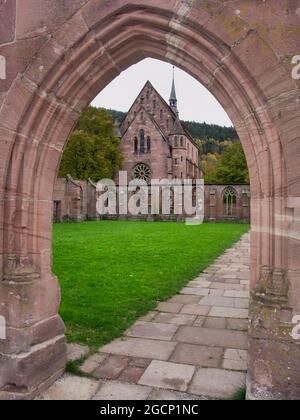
(194, 101)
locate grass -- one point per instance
(112, 273)
(240, 395)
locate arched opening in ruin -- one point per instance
(82, 57)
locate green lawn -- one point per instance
(111, 273)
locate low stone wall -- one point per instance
(75, 201)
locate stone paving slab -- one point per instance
(217, 383)
(197, 355)
(177, 319)
(135, 347)
(76, 352)
(168, 375)
(167, 395)
(115, 391)
(212, 337)
(70, 388)
(154, 330)
(229, 312)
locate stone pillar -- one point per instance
(33, 350)
(274, 354)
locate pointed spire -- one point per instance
(173, 97)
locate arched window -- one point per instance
(161, 115)
(176, 141)
(136, 145)
(154, 104)
(142, 116)
(230, 201)
(142, 141)
(168, 123)
(148, 145)
(181, 141)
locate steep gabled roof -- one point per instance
(151, 119)
(148, 83)
(177, 122)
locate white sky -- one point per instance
(195, 102)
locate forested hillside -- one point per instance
(201, 131)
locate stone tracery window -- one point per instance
(230, 201)
(142, 141)
(142, 172)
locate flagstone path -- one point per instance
(193, 346)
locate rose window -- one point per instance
(142, 172)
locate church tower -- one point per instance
(173, 97)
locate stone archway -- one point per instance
(58, 59)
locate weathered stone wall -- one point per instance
(57, 57)
(67, 193)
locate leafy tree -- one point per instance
(231, 168)
(93, 150)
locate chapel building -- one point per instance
(154, 142)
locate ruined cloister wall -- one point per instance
(67, 193)
(57, 57)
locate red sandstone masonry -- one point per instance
(242, 52)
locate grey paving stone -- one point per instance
(217, 383)
(197, 355)
(137, 347)
(168, 375)
(218, 301)
(200, 320)
(227, 286)
(185, 299)
(196, 291)
(173, 308)
(76, 351)
(92, 363)
(229, 312)
(149, 317)
(70, 388)
(219, 323)
(112, 367)
(212, 337)
(114, 391)
(195, 309)
(236, 294)
(241, 303)
(199, 283)
(167, 395)
(153, 330)
(176, 319)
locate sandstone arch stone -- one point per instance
(58, 59)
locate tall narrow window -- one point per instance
(142, 141)
(230, 201)
(142, 116)
(161, 115)
(136, 145)
(181, 141)
(148, 145)
(168, 123)
(176, 141)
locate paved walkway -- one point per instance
(193, 346)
